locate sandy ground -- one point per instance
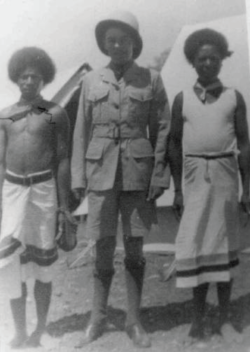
(166, 311)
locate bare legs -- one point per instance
(18, 309)
(42, 294)
(224, 293)
(223, 327)
(197, 327)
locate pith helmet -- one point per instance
(125, 20)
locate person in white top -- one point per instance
(208, 143)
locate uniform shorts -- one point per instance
(106, 208)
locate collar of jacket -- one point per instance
(132, 74)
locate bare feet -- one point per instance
(190, 341)
(34, 339)
(18, 341)
(197, 330)
(229, 334)
(196, 334)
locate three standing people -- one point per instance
(119, 157)
(119, 149)
(209, 141)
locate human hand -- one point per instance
(178, 205)
(66, 236)
(63, 217)
(245, 203)
(245, 207)
(154, 193)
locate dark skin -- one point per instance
(175, 154)
(119, 46)
(32, 144)
(207, 64)
(29, 144)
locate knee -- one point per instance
(42, 289)
(104, 274)
(133, 251)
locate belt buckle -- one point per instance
(27, 181)
(116, 133)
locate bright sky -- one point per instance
(65, 28)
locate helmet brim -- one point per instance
(102, 28)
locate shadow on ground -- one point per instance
(157, 318)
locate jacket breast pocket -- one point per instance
(94, 158)
(139, 103)
(99, 98)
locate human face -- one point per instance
(207, 63)
(30, 83)
(119, 46)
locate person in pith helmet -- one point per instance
(119, 149)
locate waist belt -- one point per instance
(29, 180)
(210, 157)
(115, 132)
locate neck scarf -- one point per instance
(23, 108)
(214, 89)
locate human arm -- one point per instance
(241, 131)
(3, 147)
(62, 157)
(175, 153)
(65, 219)
(79, 147)
(159, 122)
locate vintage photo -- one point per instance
(124, 175)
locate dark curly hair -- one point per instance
(203, 37)
(34, 57)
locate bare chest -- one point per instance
(34, 126)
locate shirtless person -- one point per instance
(34, 177)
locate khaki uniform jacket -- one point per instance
(123, 123)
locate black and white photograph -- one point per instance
(125, 175)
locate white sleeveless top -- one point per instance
(209, 128)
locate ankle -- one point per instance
(138, 335)
(20, 334)
(39, 330)
(131, 320)
(35, 338)
(224, 317)
(131, 323)
(98, 321)
(19, 339)
(197, 329)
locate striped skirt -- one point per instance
(207, 240)
(27, 241)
